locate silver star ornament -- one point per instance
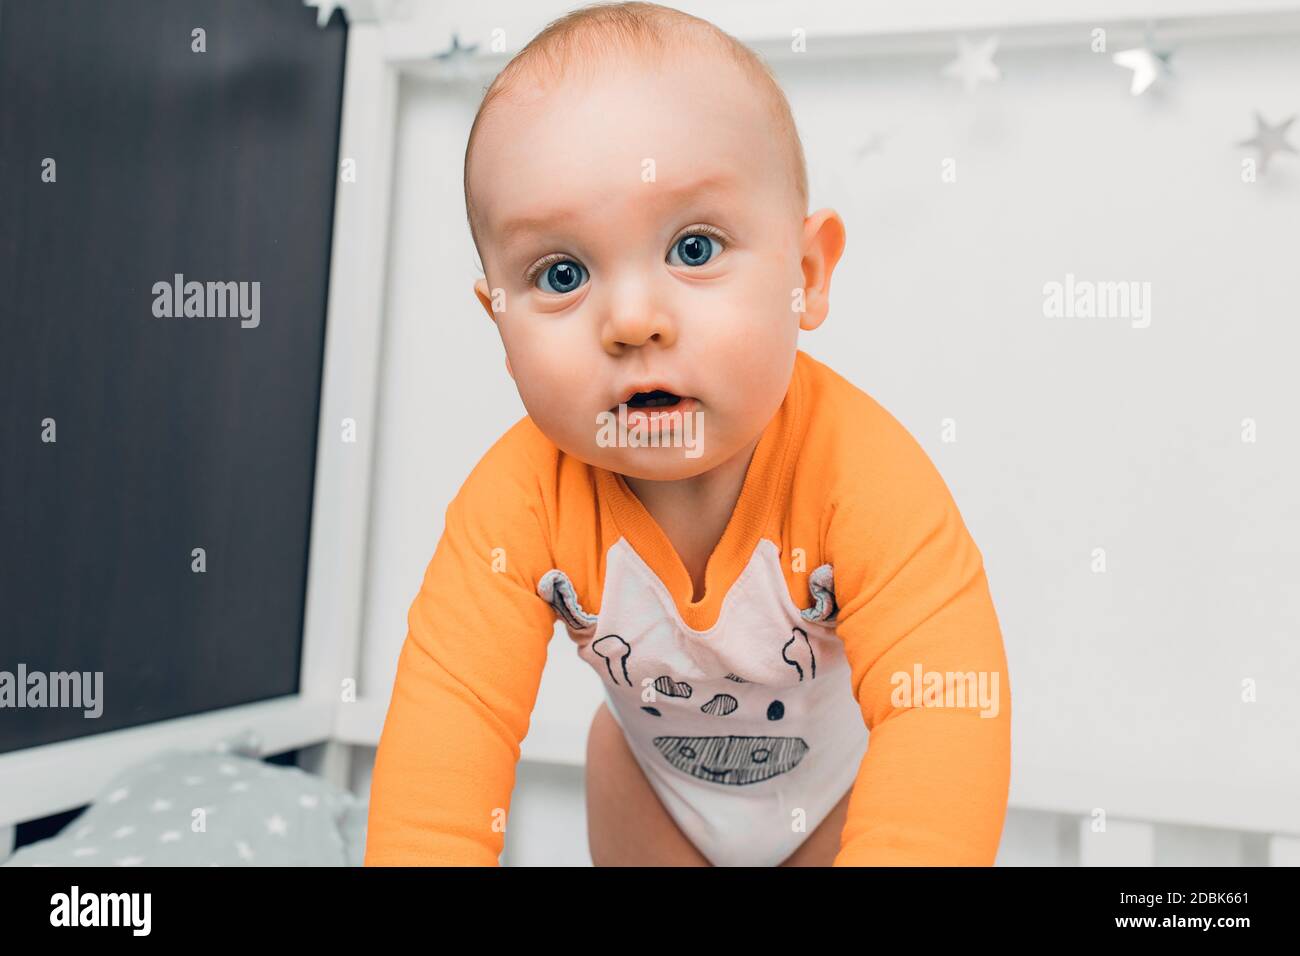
(974, 63)
(457, 58)
(1148, 62)
(1148, 65)
(1269, 139)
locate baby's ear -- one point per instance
(823, 244)
(485, 297)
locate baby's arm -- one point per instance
(467, 679)
(932, 788)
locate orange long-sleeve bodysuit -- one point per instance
(845, 602)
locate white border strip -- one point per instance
(358, 277)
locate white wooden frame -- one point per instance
(389, 38)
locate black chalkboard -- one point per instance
(171, 432)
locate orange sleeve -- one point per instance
(913, 597)
(467, 677)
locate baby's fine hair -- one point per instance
(646, 30)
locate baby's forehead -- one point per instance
(629, 132)
(699, 62)
(680, 85)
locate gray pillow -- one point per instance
(253, 814)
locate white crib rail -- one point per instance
(46, 780)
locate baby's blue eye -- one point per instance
(693, 250)
(561, 277)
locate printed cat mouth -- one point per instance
(732, 760)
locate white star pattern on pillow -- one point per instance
(254, 813)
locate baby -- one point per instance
(759, 563)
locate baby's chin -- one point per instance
(663, 463)
(656, 464)
(664, 447)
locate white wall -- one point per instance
(1072, 434)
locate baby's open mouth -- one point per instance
(656, 399)
(656, 403)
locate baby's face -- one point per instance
(641, 229)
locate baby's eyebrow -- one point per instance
(519, 227)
